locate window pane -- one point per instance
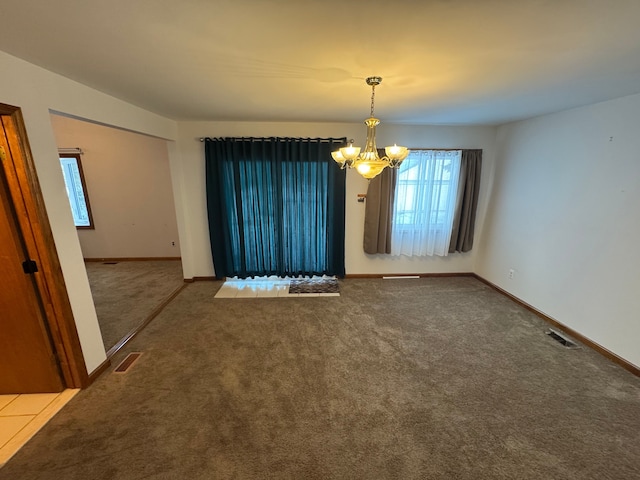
(425, 199)
(76, 191)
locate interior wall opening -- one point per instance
(131, 249)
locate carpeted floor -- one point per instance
(439, 378)
(125, 293)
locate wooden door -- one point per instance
(27, 360)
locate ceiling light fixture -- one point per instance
(368, 163)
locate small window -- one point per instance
(425, 201)
(76, 189)
(426, 188)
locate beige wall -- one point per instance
(565, 216)
(190, 192)
(130, 192)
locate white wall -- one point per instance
(565, 215)
(37, 91)
(129, 188)
(190, 187)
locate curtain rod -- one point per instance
(235, 139)
(443, 149)
(71, 150)
(202, 139)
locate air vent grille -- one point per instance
(560, 338)
(127, 363)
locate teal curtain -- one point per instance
(275, 206)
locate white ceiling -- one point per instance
(442, 61)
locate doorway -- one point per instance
(130, 245)
(39, 346)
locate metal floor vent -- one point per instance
(398, 277)
(560, 338)
(127, 363)
(109, 263)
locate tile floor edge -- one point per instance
(21, 438)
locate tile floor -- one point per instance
(261, 287)
(21, 416)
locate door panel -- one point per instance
(27, 360)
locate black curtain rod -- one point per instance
(250, 139)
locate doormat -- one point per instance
(320, 285)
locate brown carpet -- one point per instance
(125, 293)
(437, 378)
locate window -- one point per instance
(76, 189)
(424, 203)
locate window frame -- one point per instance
(83, 184)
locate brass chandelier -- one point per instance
(368, 163)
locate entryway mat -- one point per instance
(320, 285)
(260, 287)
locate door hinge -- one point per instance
(30, 266)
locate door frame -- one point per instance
(33, 220)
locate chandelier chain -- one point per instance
(373, 94)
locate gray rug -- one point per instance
(439, 378)
(312, 285)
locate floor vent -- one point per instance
(127, 363)
(399, 277)
(560, 338)
(109, 263)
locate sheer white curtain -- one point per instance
(425, 203)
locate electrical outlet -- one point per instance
(511, 273)
(173, 244)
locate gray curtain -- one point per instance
(378, 212)
(467, 201)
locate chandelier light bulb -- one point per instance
(350, 152)
(363, 168)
